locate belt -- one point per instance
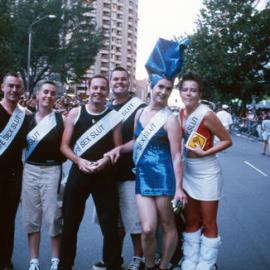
(45, 163)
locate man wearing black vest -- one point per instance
(90, 131)
(124, 103)
(12, 138)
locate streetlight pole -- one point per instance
(51, 16)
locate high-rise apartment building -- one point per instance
(118, 20)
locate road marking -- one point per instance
(256, 169)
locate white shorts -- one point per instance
(39, 199)
(129, 216)
(202, 178)
(265, 136)
(128, 208)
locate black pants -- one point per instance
(10, 191)
(104, 192)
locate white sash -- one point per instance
(130, 107)
(194, 120)
(96, 132)
(34, 137)
(156, 122)
(11, 129)
(92, 136)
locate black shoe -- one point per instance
(8, 266)
(101, 265)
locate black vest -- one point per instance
(85, 121)
(47, 152)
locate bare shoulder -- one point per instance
(210, 116)
(212, 120)
(139, 111)
(172, 118)
(172, 124)
(73, 114)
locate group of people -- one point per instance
(62, 104)
(137, 161)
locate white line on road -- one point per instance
(256, 169)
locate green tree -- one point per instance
(6, 32)
(64, 47)
(229, 48)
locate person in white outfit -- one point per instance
(225, 117)
(202, 179)
(266, 134)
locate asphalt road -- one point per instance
(244, 217)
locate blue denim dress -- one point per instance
(154, 171)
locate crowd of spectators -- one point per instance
(63, 104)
(250, 121)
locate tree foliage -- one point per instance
(63, 47)
(229, 48)
(6, 33)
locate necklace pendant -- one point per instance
(93, 121)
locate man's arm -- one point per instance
(83, 164)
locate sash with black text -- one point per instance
(194, 120)
(11, 129)
(156, 122)
(93, 135)
(35, 136)
(130, 107)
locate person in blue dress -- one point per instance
(157, 156)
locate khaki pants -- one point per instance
(39, 199)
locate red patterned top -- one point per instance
(203, 130)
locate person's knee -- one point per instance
(210, 227)
(193, 223)
(168, 226)
(148, 232)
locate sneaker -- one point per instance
(99, 266)
(54, 263)
(34, 264)
(136, 263)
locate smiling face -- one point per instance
(98, 91)
(190, 93)
(46, 95)
(161, 92)
(12, 89)
(119, 83)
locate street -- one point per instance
(244, 217)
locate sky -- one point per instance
(162, 19)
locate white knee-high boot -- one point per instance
(208, 253)
(191, 250)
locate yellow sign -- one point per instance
(196, 139)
